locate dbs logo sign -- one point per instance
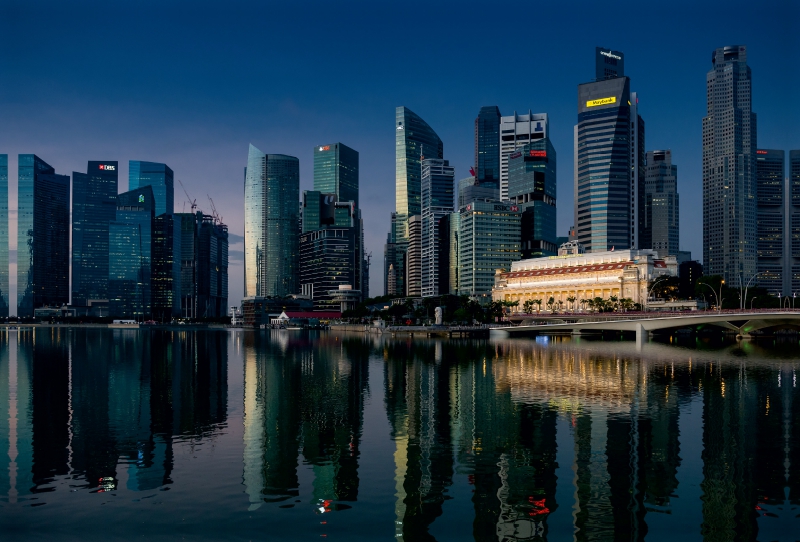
(108, 168)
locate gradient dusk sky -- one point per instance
(191, 84)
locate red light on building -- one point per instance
(761, 152)
(539, 154)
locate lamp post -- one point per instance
(647, 301)
(743, 300)
(718, 297)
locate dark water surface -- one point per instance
(108, 434)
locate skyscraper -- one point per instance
(336, 171)
(793, 236)
(774, 273)
(487, 145)
(662, 203)
(94, 206)
(414, 139)
(609, 160)
(437, 202)
(515, 131)
(4, 296)
(42, 236)
(160, 177)
(271, 196)
(414, 257)
(130, 254)
(532, 187)
(729, 145)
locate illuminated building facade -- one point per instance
(774, 269)
(516, 131)
(4, 295)
(437, 202)
(661, 207)
(619, 273)
(157, 175)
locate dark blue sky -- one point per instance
(192, 83)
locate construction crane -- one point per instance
(214, 213)
(192, 202)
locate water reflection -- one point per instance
(511, 440)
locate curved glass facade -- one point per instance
(271, 217)
(160, 177)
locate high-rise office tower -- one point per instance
(160, 177)
(330, 250)
(42, 236)
(94, 206)
(532, 187)
(661, 203)
(609, 160)
(203, 256)
(487, 145)
(774, 273)
(414, 257)
(793, 219)
(729, 145)
(4, 296)
(130, 254)
(336, 171)
(165, 270)
(414, 140)
(489, 239)
(516, 131)
(271, 209)
(437, 201)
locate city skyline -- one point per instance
(204, 127)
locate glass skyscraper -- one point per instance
(438, 180)
(609, 162)
(774, 271)
(487, 145)
(414, 139)
(4, 297)
(94, 206)
(160, 177)
(130, 254)
(336, 171)
(729, 168)
(42, 236)
(271, 196)
(532, 186)
(662, 218)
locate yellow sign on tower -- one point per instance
(602, 101)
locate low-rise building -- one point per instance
(581, 277)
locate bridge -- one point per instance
(742, 322)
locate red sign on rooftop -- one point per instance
(539, 154)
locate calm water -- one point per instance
(285, 435)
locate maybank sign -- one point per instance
(602, 101)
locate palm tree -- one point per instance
(583, 303)
(590, 303)
(613, 299)
(527, 307)
(538, 303)
(571, 300)
(599, 303)
(551, 303)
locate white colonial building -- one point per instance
(620, 273)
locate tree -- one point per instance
(571, 300)
(613, 302)
(538, 303)
(584, 302)
(527, 307)
(551, 302)
(600, 304)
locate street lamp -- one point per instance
(718, 297)
(743, 300)
(647, 301)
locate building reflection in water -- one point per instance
(520, 440)
(303, 397)
(99, 406)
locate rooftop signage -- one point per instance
(601, 101)
(761, 152)
(610, 55)
(514, 155)
(539, 154)
(325, 148)
(107, 167)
